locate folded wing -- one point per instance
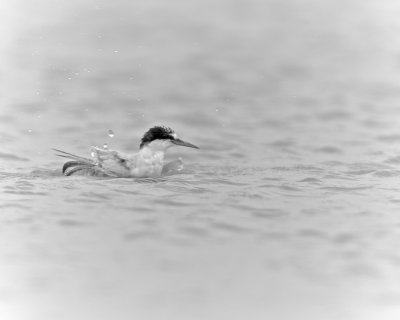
(104, 162)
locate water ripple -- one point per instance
(387, 173)
(30, 193)
(393, 160)
(230, 227)
(346, 189)
(12, 157)
(328, 150)
(311, 180)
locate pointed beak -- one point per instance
(180, 142)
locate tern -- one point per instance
(147, 163)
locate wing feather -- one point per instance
(104, 163)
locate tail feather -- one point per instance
(71, 164)
(71, 167)
(72, 156)
(77, 164)
(73, 170)
(86, 166)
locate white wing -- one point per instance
(112, 162)
(103, 163)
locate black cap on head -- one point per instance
(157, 132)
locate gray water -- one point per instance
(290, 209)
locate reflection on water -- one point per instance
(290, 209)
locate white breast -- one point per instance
(148, 165)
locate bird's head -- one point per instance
(161, 138)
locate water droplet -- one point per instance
(216, 110)
(105, 146)
(30, 130)
(111, 133)
(93, 154)
(180, 164)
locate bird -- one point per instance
(147, 163)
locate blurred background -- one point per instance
(290, 208)
(223, 69)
